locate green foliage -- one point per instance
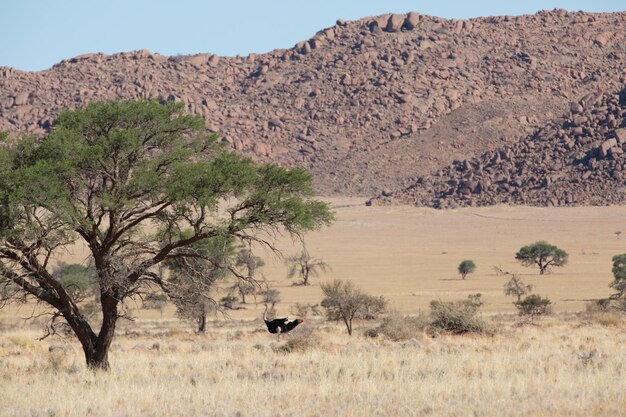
(344, 302)
(533, 306)
(466, 267)
(76, 279)
(619, 273)
(457, 317)
(193, 276)
(110, 173)
(543, 255)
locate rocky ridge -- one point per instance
(577, 159)
(368, 105)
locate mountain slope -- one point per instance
(367, 105)
(577, 159)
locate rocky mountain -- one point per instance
(577, 159)
(368, 106)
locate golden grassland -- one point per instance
(566, 365)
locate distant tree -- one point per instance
(344, 302)
(123, 178)
(305, 266)
(619, 275)
(78, 280)
(533, 306)
(516, 287)
(271, 297)
(155, 301)
(249, 264)
(466, 267)
(543, 255)
(192, 277)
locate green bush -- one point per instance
(533, 306)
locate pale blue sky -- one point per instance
(35, 34)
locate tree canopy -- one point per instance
(619, 273)
(125, 178)
(543, 255)
(466, 267)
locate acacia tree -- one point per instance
(516, 287)
(344, 302)
(305, 266)
(543, 255)
(107, 172)
(466, 267)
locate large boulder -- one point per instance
(395, 22)
(411, 21)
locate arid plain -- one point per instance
(566, 364)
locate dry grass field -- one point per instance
(565, 365)
(160, 368)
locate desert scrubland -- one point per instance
(567, 364)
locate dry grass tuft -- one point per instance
(397, 327)
(305, 339)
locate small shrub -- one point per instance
(301, 341)
(601, 305)
(457, 317)
(607, 318)
(533, 306)
(397, 327)
(303, 310)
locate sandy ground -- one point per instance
(410, 254)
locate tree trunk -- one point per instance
(84, 333)
(202, 323)
(98, 358)
(348, 325)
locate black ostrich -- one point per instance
(280, 326)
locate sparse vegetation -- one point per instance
(397, 327)
(250, 264)
(515, 287)
(304, 310)
(109, 173)
(304, 266)
(543, 255)
(619, 275)
(344, 302)
(457, 317)
(193, 277)
(534, 306)
(466, 267)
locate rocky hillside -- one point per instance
(577, 159)
(368, 105)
